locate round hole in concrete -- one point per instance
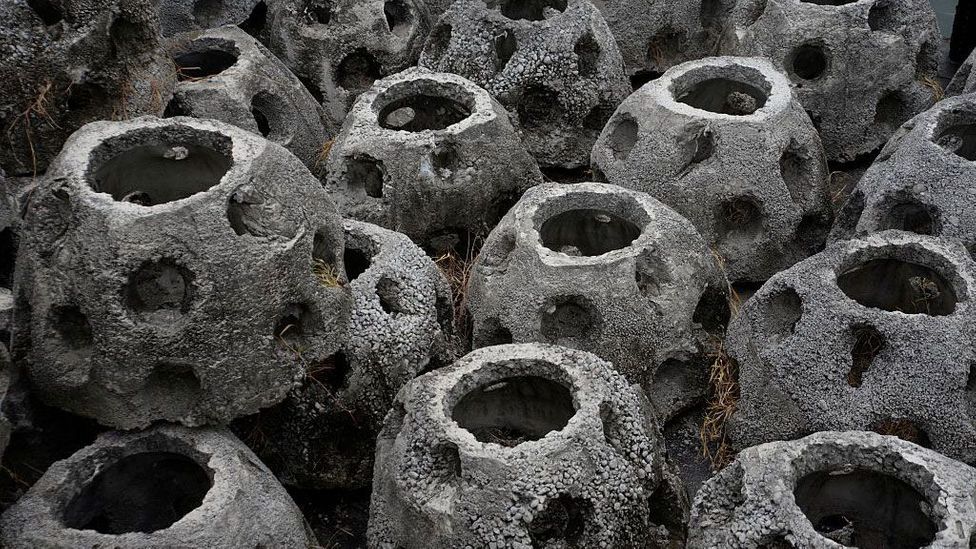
(205, 59)
(528, 10)
(161, 285)
(959, 139)
(895, 285)
(513, 410)
(865, 509)
(587, 232)
(809, 61)
(170, 164)
(142, 492)
(318, 12)
(742, 92)
(423, 111)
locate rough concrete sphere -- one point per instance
(164, 487)
(965, 79)
(523, 446)
(430, 155)
(176, 16)
(606, 270)
(726, 143)
(227, 75)
(874, 334)
(860, 68)
(168, 266)
(553, 62)
(338, 49)
(323, 434)
(68, 63)
(924, 181)
(836, 489)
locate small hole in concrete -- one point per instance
(781, 313)
(159, 285)
(356, 262)
(913, 217)
(438, 41)
(865, 509)
(142, 492)
(587, 232)
(623, 137)
(331, 372)
(712, 311)
(587, 55)
(176, 107)
(445, 157)
(809, 61)
(196, 65)
(567, 320)
(664, 47)
(390, 296)
(640, 78)
(264, 127)
(891, 110)
(723, 95)
(698, 148)
(651, 274)
(796, 167)
(357, 72)
(363, 172)
(207, 12)
(538, 106)
(8, 257)
(72, 326)
(498, 250)
(420, 112)
(174, 390)
(505, 47)
(291, 326)
(529, 10)
(48, 10)
(318, 12)
(739, 218)
(959, 140)
(85, 96)
(513, 410)
(491, 332)
(868, 343)
(561, 523)
(447, 463)
(904, 429)
(257, 19)
(253, 213)
(168, 170)
(398, 17)
(756, 10)
(881, 16)
(895, 285)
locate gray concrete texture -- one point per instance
(871, 334)
(167, 271)
(524, 446)
(554, 63)
(725, 142)
(610, 271)
(167, 486)
(836, 489)
(179, 16)
(226, 75)
(964, 81)
(431, 155)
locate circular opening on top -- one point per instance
(514, 410)
(959, 139)
(865, 509)
(160, 165)
(809, 61)
(142, 492)
(428, 108)
(207, 57)
(587, 232)
(894, 285)
(736, 90)
(528, 10)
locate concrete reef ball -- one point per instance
(860, 68)
(836, 489)
(874, 334)
(430, 155)
(610, 271)
(69, 63)
(552, 62)
(726, 143)
(523, 446)
(6, 370)
(167, 486)
(924, 180)
(169, 268)
(338, 48)
(965, 79)
(227, 75)
(324, 432)
(176, 16)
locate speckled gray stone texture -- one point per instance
(69, 63)
(429, 155)
(553, 63)
(256, 93)
(886, 490)
(726, 143)
(324, 431)
(183, 287)
(105, 493)
(964, 80)
(592, 479)
(177, 16)
(924, 180)
(872, 334)
(338, 49)
(858, 67)
(610, 271)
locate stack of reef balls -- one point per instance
(549, 274)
